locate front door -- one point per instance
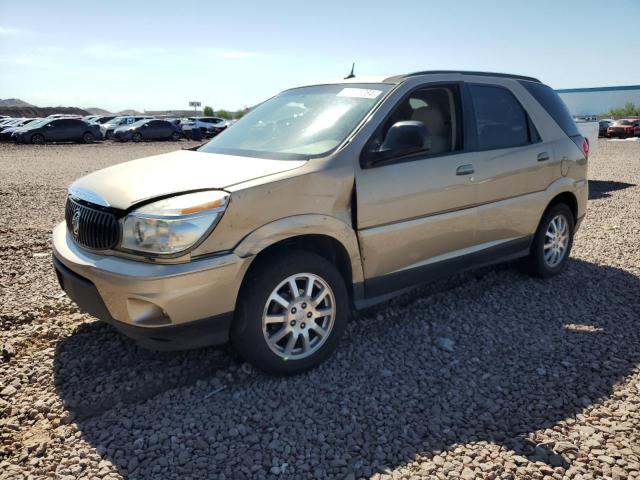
(415, 213)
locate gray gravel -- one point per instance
(491, 374)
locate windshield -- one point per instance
(138, 123)
(623, 122)
(300, 123)
(40, 122)
(115, 121)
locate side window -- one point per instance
(438, 108)
(501, 121)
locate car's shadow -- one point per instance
(494, 358)
(603, 188)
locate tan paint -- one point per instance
(408, 214)
(126, 184)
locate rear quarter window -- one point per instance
(554, 106)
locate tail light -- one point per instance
(585, 147)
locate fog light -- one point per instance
(146, 313)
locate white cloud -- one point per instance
(7, 31)
(108, 51)
(27, 60)
(227, 53)
(237, 54)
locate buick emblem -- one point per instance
(75, 223)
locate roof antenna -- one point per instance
(351, 75)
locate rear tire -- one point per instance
(552, 243)
(88, 137)
(37, 139)
(296, 331)
(109, 136)
(175, 136)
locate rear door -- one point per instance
(153, 130)
(55, 131)
(514, 166)
(415, 213)
(75, 129)
(164, 130)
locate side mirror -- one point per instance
(403, 138)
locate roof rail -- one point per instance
(399, 78)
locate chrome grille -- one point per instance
(91, 226)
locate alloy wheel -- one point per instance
(556, 241)
(298, 316)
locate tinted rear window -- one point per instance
(500, 119)
(554, 106)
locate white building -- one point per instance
(599, 100)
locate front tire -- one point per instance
(37, 139)
(552, 243)
(292, 311)
(136, 137)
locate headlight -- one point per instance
(174, 224)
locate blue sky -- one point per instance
(228, 54)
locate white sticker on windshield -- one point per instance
(359, 93)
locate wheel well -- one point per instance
(568, 199)
(323, 245)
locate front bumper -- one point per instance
(161, 306)
(122, 135)
(620, 133)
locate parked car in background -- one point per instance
(57, 130)
(624, 128)
(89, 118)
(148, 129)
(65, 115)
(7, 131)
(9, 122)
(209, 126)
(270, 234)
(603, 125)
(17, 122)
(110, 126)
(103, 119)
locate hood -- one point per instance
(122, 186)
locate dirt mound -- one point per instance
(40, 111)
(98, 111)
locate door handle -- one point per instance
(543, 156)
(465, 170)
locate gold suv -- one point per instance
(322, 198)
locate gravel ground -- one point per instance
(490, 374)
